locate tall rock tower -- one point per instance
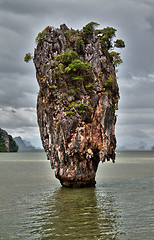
(78, 96)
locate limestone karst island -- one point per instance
(77, 99)
(7, 143)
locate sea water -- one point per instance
(33, 205)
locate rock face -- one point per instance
(76, 103)
(7, 144)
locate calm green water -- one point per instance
(33, 205)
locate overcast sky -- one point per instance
(20, 22)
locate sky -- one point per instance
(21, 21)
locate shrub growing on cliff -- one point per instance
(71, 67)
(116, 58)
(90, 28)
(115, 103)
(119, 43)
(106, 39)
(79, 42)
(71, 92)
(67, 57)
(28, 57)
(79, 108)
(109, 82)
(77, 66)
(108, 34)
(42, 34)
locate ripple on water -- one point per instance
(32, 206)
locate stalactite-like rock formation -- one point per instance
(76, 102)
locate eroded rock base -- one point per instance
(77, 184)
(78, 174)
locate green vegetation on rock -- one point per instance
(79, 42)
(90, 28)
(116, 58)
(78, 96)
(106, 36)
(109, 82)
(2, 142)
(67, 57)
(12, 145)
(74, 107)
(28, 57)
(69, 72)
(72, 78)
(41, 35)
(7, 144)
(119, 43)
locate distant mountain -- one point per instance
(122, 148)
(28, 143)
(140, 146)
(23, 144)
(7, 144)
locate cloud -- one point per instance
(18, 90)
(19, 118)
(135, 125)
(136, 117)
(137, 92)
(20, 22)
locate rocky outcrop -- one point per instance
(76, 102)
(7, 144)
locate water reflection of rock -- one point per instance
(77, 214)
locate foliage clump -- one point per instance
(109, 82)
(77, 66)
(119, 43)
(70, 32)
(70, 71)
(42, 34)
(71, 92)
(67, 57)
(74, 107)
(67, 66)
(71, 74)
(28, 57)
(116, 58)
(79, 42)
(115, 103)
(40, 37)
(90, 28)
(106, 36)
(90, 87)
